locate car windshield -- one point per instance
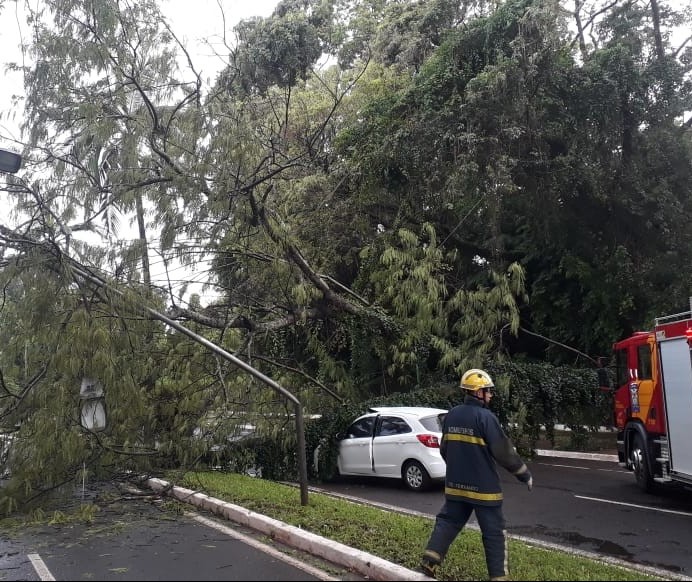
(433, 423)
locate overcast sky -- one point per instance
(191, 20)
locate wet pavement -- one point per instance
(140, 537)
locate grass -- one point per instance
(395, 537)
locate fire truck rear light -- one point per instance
(429, 440)
(688, 335)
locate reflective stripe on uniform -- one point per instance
(464, 438)
(473, 494)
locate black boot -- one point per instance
(429, 563)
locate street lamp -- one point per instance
(9, 161)
(93, 408)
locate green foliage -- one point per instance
(536, 396)
(484, 135)
(150, 409)
(279, 50)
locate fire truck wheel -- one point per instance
(641, 464)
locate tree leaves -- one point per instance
(371, 226)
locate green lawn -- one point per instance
(393, 536)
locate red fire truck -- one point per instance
(653, 402)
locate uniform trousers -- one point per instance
(451, 520)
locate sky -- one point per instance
(193, 21)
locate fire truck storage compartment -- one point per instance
(676, 366)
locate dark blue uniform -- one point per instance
(472, 443)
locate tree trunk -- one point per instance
(580, 28)
(656, 18)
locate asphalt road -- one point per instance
(135, 539)
(590, 506)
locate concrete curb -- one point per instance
(367, 565)
(576, 455)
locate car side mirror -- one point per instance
(339, 436)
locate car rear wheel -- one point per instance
(415, 477)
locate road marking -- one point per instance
(319, 574)
(40, 567)
(583, 468)
(685, 513)
(568, 466)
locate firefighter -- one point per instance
(472, 442)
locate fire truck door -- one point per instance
(676, 366)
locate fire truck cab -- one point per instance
(653, 402)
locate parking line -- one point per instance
(319, 574)
(40, 567)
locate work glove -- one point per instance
(527, 478)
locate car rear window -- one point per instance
(433, 423)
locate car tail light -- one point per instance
(429, 440)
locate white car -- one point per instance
(400, 442)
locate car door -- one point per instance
(355, 448)
(393, 436)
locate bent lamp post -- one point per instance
(9, 162)
(300, 426)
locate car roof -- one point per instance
(412, 410)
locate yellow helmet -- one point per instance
(475, 379)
